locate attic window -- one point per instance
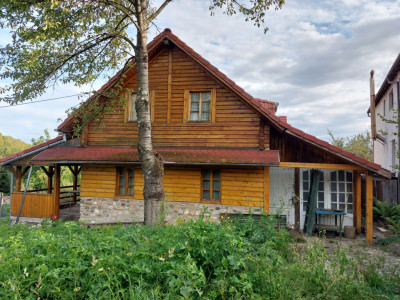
(132, 115)
(130, 111)
(391, 100)
(199, 106)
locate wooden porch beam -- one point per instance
(320, 166)
(57, 181)
(357, 201)
(45, 171)
(369, 207)
(266, 190)
(18, 181)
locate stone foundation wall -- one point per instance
(113, 210)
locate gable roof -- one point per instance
(266, 108)
(391, 76)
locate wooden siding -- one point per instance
(35, 205)
(236, 124)
(292, 149)
(239, 186)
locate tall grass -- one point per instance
(193, 260)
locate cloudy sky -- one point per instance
(314, 60)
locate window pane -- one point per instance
(122, 190)
(341, 206)
(195, 97)
(206, 97)
(341, 187)
(130, 180)
(305, 175)
(216, 195)
(341, 175)
(216, 173)
(132, 113)
(206, 184)
(333, 187)
(350, 208)
(206, 173)
(130, 171)
(333, 198)
(121, 171)
(350, 199)
(130, 191)
(194, 116)
(320, 204)
(216, 185)
(206, 195)
(333, 206)
(305, 196)
(194, 107)
(122, 181)
(349, 176)
(305, 185)
(321, 186)
(349, 187)
(333, 176)
(321, 196)
(205, 107)
(205, 116)
(305, 205)
(342, 197)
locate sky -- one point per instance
(315, 61)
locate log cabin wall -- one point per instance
(172, 72)
(239, 186)
(292, 149)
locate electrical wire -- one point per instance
(51, 99)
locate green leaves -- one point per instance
(61, 41)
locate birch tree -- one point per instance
(78, 41)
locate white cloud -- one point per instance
(315, 60)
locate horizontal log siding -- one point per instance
(236, 124)
(292, 149)
(239, 186)
(35, 205)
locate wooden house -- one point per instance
(222, 149)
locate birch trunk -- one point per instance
(152, 164)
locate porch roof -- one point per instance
(107, 154)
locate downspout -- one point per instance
(11, 192)
(372, 104)
(23, 197)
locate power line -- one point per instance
(51, 99)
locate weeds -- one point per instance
(196, 259)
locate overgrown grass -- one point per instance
(246, 260)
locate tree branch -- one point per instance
(159, 10)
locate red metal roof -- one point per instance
(265, 108)
(29, 150)
(182, 156)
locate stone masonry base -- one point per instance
(114, 210)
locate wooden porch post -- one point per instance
(266, 190)
(357, 201)
(57, 180)
(75, 184)
(50, 180)
(18, 182)
(368, 207)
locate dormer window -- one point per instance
(132, 114)
(130, 109)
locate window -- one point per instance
(342, 190)
(125, 181)
(391, 100)
(199, 106)
(306, 189)
(132, 115)
(130, 111)
(211, 185)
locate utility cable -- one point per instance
(51, 99)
